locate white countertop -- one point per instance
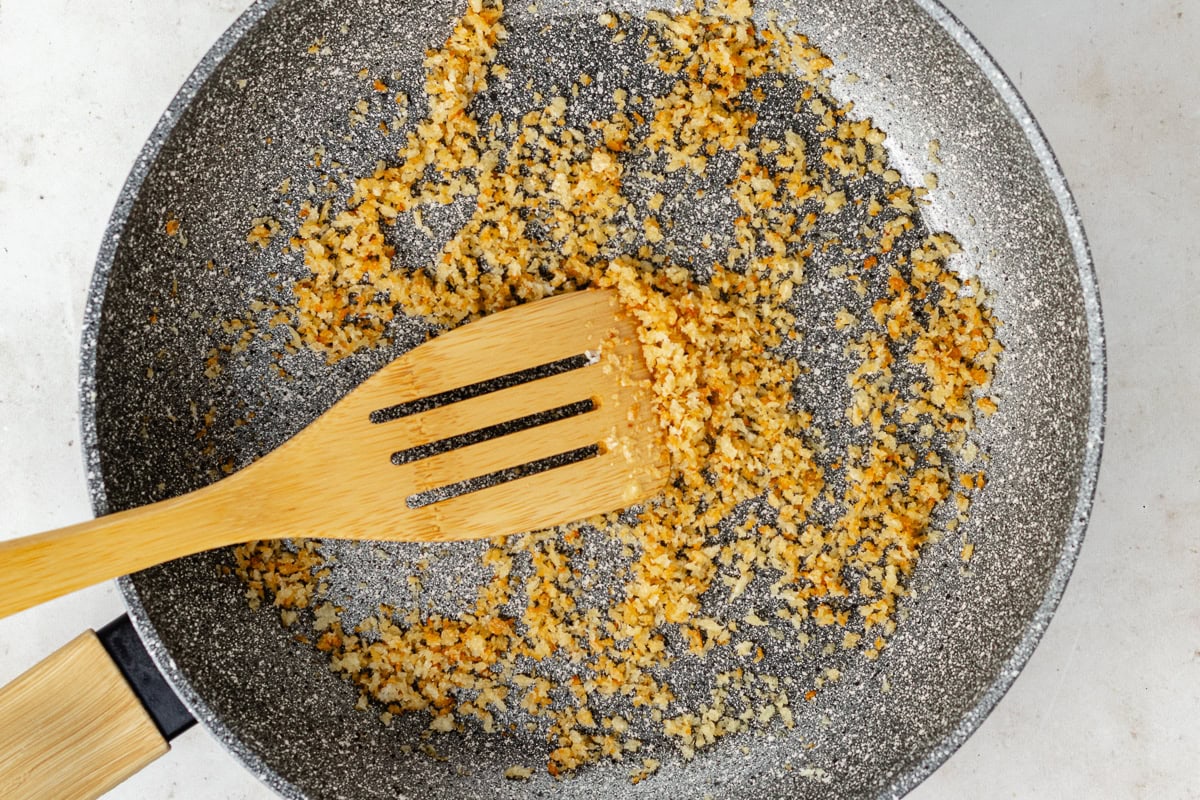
(1109, 706)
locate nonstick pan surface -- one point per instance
(252, 115)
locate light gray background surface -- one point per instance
(1109, 706)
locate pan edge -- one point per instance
(92, 318)
(1097, 401)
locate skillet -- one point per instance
(274, 703)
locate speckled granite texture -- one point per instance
(275, 704)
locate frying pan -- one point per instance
(251, 116)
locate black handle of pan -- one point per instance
(125, 648)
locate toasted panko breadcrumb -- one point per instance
(555, 210)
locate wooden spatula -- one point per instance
(394, 460)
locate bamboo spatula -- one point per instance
(396, 460)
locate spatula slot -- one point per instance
(449, 492)
(411, 454)
(481, 388)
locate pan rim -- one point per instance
(1035, 627)
(1097, 403)
(191, 699)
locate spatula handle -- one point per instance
(34, 569)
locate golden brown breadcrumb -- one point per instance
(555, 210)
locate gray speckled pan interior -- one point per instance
(251, 115)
